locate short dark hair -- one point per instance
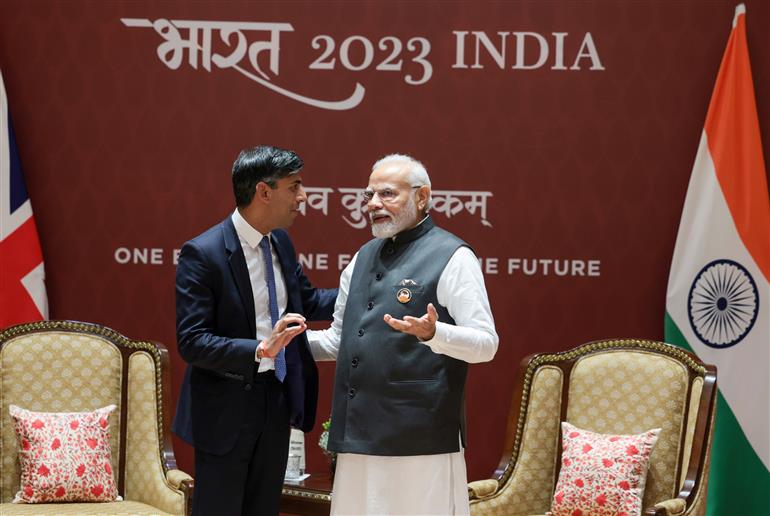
(264, 163)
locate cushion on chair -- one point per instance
(602, 475)
(64, 457)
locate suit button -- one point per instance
(360, 333)
(378, 276)
(354, 362)
(352, 393)
(389, 250)
(370, 305)
(247, 387)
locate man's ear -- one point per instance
(423, 196)
(263, 192)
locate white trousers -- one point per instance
(415, 485)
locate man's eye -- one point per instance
(387, 194)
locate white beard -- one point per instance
(396, 224)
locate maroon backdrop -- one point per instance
(124, 148)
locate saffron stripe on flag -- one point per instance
(732, 127)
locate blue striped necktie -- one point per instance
(280, 358)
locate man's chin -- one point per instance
(383, 230)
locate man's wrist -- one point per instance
(436, 334)
(426, 338)
(259, 354)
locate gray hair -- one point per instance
(418, 176)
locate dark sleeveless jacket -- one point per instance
(392, 394)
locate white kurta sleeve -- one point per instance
(461, 290)
(324, 344)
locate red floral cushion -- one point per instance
(65, 457)
(602, 474)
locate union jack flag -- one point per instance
(22, 276)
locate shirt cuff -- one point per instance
(439, 338)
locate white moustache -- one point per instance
(373, 215)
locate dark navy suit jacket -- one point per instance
(216, 337)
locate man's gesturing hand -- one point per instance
(424, 328)
(281, 335)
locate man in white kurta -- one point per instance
(398, 198)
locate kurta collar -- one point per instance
(416, 232)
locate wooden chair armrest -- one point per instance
(185, 483)
(479, 489)
(672, 507)
(176, 477)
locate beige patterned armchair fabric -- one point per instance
(63, 366)
(611, 387)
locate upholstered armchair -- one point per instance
(609, 387)
(63, 366)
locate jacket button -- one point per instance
(354, 362)
(378, 276)
(247, 387)
(370, 305)
(352, 393)
(360, 333)
(390, 250)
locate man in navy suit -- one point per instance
(250, 374)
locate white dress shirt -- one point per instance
(250, 238)
(421, 484)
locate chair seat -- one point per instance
(125, 508)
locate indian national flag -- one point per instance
(718, 297)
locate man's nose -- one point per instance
(301, 195)
(374, 203)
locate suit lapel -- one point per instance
(239, 270)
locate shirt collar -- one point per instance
(245, 231)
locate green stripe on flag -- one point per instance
(739, 483)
